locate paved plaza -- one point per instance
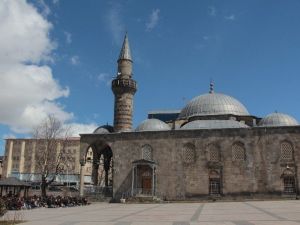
(229, 213)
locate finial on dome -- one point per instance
(211, 86)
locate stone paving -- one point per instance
(216, 213)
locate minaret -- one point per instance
(124, 87)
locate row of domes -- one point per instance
(210, 105)
(271, 120)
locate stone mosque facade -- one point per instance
(212, 147)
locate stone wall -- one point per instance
(259, 171)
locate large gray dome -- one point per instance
(213, 124)
(278, 120)
(213, 104)
(152, 125)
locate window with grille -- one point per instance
(286, 151)
(289, 185)
(189, 153)
(238, 152)
(147, 152)
(214, 155)
(214, 186)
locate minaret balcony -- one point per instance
(120, 85)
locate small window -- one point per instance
(238, 152)
(147, 152)
(286, 151)
(214, 155)
(189, 154)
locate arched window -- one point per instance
(238, 152)
(214, 154)
(189, 154)
(147, 152)
(286, 150)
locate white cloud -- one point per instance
(212, 11)
(78, 128)
(230, 17)
(104, 78)
(115, 24)
(68, 36)
(34, 114)
(55, 2)
(74, 60)
(28, 91)
(153, 20)
(20, 23)
(45, 10)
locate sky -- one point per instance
(59, 57)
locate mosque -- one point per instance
(212, 147)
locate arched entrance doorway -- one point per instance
(102, 166)
(143, 178)
(101, 174)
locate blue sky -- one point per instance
(69, 50)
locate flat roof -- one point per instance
(171, 111)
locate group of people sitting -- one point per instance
(17, 203)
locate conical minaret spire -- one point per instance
(125, 60)
(124, 88)
(125, 50)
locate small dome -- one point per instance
(213, 124)
(152, 125)
(278, 120)
(105, 129)
(213, 104)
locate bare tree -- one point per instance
(51, 156)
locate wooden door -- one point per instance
(146, 185)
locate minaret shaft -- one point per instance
(123, 112)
